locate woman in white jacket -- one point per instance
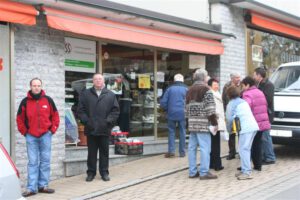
(215, 158)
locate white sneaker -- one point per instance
(244, 177)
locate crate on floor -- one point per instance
(118, 136)
(129, 148)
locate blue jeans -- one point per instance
(268, 154)
(39, 154)
(203, 139)
(245, 143)
(172, 133)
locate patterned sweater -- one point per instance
(200, 108)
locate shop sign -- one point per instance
(80, 55)
(160, 77)
(196, 62)
(257, 53)
(144, 81)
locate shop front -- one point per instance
(272, 36)
(138, 76)
(65, 46)
(138, 64)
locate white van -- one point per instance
(286, 125)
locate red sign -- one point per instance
(1, 64)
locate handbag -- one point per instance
(236, 125)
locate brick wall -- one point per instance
(234, 57)
(39, 52)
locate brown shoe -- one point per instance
(208, 176)
(46, 190)
(28, 193)
(169, 155)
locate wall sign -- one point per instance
(80, 55)
(257, 53)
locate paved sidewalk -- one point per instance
(270, 183)
(121, 175)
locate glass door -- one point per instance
(136, 97)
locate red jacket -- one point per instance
(36, 117)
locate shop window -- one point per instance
(137, 98)
(168, 65)
(269, 50)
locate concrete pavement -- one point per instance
(160, 178)
(273, 182)
(121, 176)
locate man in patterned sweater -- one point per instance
(201, 114)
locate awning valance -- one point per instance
(275, 25)
(118, 31)
(17, 13)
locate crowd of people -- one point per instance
(245, 111)
(245, 108)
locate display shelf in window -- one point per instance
(136, 105)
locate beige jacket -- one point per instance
(219, 111)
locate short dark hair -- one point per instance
(36, 78)
(248, 80)
(261, 71)
(210, 81)
(233, 92)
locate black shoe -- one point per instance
(105, 177)
(268, 163)
(46, 190)
(257, 168)
(239, 168)
(89, 178)
(219, 168)
(230, 157)
(195, 176)
(28, 193)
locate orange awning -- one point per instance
(106, 29)
(275, 25)
(17, 13)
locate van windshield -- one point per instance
(287, 79)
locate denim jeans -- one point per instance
(268, 154)
(245, 143)
(172, 133)
(39, 154)
(203, 139)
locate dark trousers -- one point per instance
(215, 158)
(256, 154)
(96, 143)
(231, 145)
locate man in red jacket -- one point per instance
(37, 120)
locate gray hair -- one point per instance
(234, 74)
(200, 75)
(178, 77)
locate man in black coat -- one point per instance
(267, 88)
(98, 110)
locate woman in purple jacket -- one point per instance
(259, 107)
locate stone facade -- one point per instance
(39, 52)
(234, 57)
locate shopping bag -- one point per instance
(224, 135)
